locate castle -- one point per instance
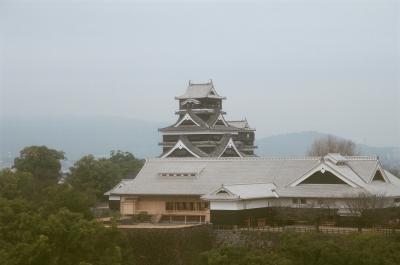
(208, 173)
(202, 130)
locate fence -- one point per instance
(305, 229)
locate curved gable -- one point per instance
(179, 150)
(323, 178)
(187, 120)
(317, 174)
(230, 150)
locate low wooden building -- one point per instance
(208, 172)
(233, 190)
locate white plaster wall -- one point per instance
(259, 203)
(226, 205)
(281, 202)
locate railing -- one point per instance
(186, 212)
(305, 229)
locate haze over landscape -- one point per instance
(272, 129)
(103, 76)
(78, 136)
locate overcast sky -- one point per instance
(288, 66)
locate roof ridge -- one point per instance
(365, 157)
(251, 183)
(239, 158)
(200, 84)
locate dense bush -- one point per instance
(165, 246)
(313, 248)
(96, 176)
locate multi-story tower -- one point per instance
(201, 129)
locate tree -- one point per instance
(100, 175)
(332, 144)
(16, 184)
(128, 164)
(65, 196)
(43, 163)
(242, 256)
(364, 206)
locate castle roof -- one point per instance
(200, 90)
(241, 124)
(199, 124)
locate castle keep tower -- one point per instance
(202, 130)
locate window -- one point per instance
(186, 174)
(295, 201)
(191, 206)
(185, 206)
(303, 201)
(202, 206)
(397, 200)
(180, 206)
(169, 206)
(222, 192)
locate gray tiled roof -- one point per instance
(362, 169)
(242, 124)
(213, 118)
(203, 125)
(194, 117)
(254, 190)
(187, 129)
(221, 147)
(214, 172)
(192, 148)
(200, 90)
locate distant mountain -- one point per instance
(78, 136)
(299, 144)
(287, 144)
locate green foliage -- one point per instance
(242, 256)
(15, 184)
(43, 163)
(142, 217)
(65, 196)
(100, 175)
(44, 223)
(61, 238)
(315, 249)
(164, 246)
(129, 166)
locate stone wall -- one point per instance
(239, 238)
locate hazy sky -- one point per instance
(288, 66)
